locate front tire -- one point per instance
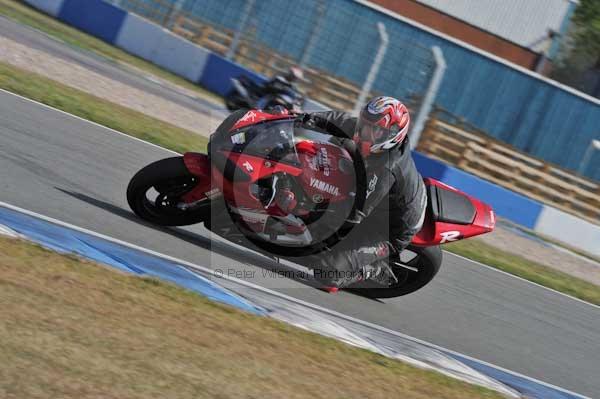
(170, 179)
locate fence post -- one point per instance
(241, 28)
(314, 34)
(587, 156)
(366, 88)
(430, 95)
(171, 15)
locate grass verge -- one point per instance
(532, 271)
(563, 245)
(26, 15)
(72, 329)
(95, 109)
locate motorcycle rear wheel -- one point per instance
(170, 179)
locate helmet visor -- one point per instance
(368, 131)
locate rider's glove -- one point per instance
(306, 120)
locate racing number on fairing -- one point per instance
(449, 236)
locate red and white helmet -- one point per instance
(382, 124)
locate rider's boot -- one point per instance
(380, 272)
(340, 281)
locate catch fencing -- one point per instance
(306, 33)
(514, 105)
(473, 151)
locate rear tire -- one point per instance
(428, 262)
(171, 179)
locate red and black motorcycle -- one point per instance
(288, 190)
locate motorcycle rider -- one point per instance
(395, 193)
(282, 82)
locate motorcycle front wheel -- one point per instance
(154, 194)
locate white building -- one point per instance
(523, 22)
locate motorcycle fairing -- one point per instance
(238, 191)
(255, 116)
(199, 165)
(434, 231)
(239, 163)
(461, 220)
(324, 177)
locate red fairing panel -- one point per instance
(211, 182)
(199, 166)
(436, 232)
(322, 177)
(255, 116)
(239, 193)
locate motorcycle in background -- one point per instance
(245, 93)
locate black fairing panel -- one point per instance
(449, 206)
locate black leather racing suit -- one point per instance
(393, 210)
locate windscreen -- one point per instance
(273, 140)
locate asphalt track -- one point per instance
(71, 170)
(118, 72)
